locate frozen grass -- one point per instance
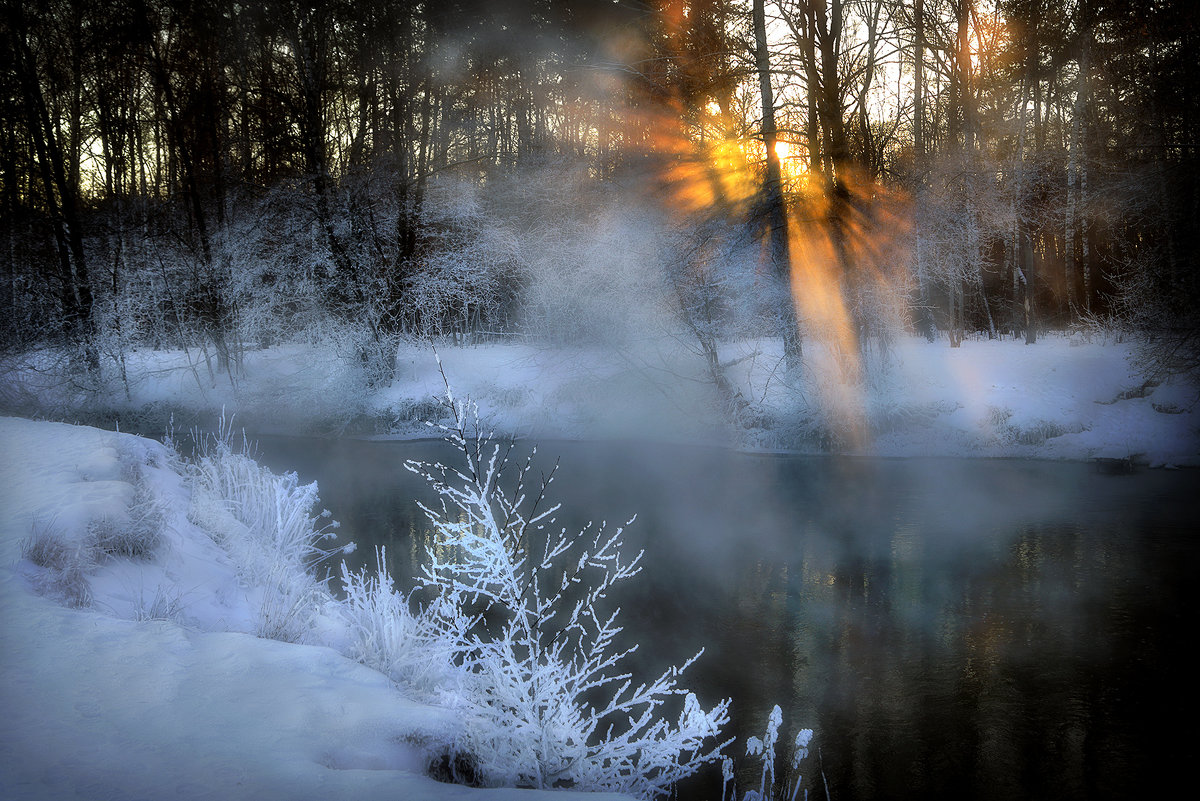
(291, 602)
(166, 604)
(137, 535)
(66, 561)
(386, 635)
(771, 787)
(265, 523)
(64, 564)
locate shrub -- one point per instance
(387, 636)
(165, 605)
(520, 605)
(764, 748)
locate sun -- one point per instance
(791, 161)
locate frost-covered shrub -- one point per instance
(387, 636)
(461, 282)
(166, 604)
(1034, 433)
(593, 279)
(265, 523)
(521, 604)
(1041, 430)
(47, 547)
(291, 601)
(410, 410)
(64, 564)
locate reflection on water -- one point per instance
(950, 629)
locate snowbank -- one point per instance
(1061, 398)
(156, 688)
(1058, 399)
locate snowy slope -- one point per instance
(96, 704)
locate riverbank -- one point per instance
(1063, 398)
(129, 661)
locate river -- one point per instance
(987, 629)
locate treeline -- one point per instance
(224, 175)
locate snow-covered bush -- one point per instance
(166, 604)
(66, 559)
(461, 282)
(265, 523)
(386, 635)
(523, 607)
(594, 278)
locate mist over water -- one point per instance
(950, 628)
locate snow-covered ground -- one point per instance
(158, 688)
(1061, 398)
(1058, 399)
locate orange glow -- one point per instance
(843, 271)
(847, 269)
(716, 172)
(991, 36)
(793, 165)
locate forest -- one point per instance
(224, 176)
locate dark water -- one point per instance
(951, 629)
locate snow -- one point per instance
(1057, 399)
(98, 704)
(1061, 398)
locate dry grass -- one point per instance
(65, 564)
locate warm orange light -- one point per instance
(783, 149)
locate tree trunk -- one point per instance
(1078, 209)
(776, 212)
(924, 315)
(1029, 274)
(1069, 232)
(1083, 233)
(76, 293)
(1018, 275)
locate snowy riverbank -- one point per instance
(157, 687)
(1063, 398)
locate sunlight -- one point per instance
(839, 272)
(793, 163)
(704, 174)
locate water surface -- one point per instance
(985, 629)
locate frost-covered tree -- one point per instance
(548, 703)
